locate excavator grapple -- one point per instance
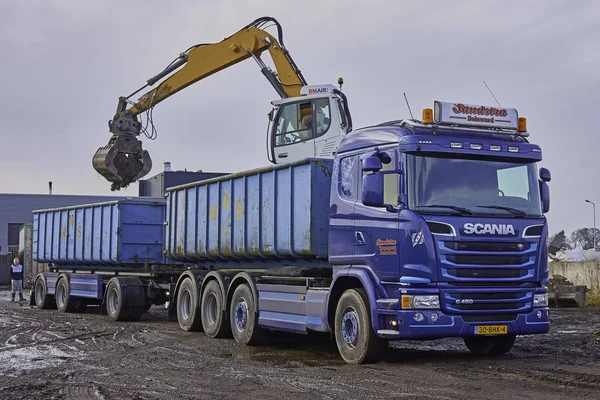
(122, 161)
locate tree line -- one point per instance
(582, 238)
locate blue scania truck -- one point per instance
(414, 230)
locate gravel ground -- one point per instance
(48, 355)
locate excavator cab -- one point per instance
(311, 125)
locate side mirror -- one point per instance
(545, 175)
(372, 189)
(545, 195)
(371, 164)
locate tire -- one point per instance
(64, 302)
(212, 311)
(489, 345)
(43, 300)
(188, 313)
(356, 341)
(243, 317)
(114, 302)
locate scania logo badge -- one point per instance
(520, 246)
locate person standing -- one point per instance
(16, 279)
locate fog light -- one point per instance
(419, 317)
(539, 314)
(434, 317)
(394, 324)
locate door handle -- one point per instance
(283, 155)
(360, 239)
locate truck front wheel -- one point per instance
(356, 340)
(243, 317)
(490, 345)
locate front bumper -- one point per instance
(448, 325)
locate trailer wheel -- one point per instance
(354, 336)
(43, 300)
(490, 345)
(114, 302)
(212, 310)
(188, 313)
(64, 301)
(243, 317)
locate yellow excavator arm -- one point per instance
(123, 161)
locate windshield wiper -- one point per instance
(515, 211)
(461, 210)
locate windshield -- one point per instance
(473, 186)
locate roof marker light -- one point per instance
(513, 149)
(495, 147)
(476, 146)
(522, 124)
(427, 116)
(456, 145)
(426, 141)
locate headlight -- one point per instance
(431, 302)
(540, 300)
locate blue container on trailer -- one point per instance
(273, 213)
(128, 232)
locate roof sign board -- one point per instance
(475, 115)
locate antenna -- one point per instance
(408, 105)
(488, 88)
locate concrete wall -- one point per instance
(578, 272)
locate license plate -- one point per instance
(491, 330)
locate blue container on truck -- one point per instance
(111, 235)
(253, 218)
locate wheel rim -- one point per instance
(113, 301)
(211, 309)
(241, 314)
(38, 292)
(350, 327)
(185, 305)
(61, 295)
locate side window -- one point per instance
(390, 184)
(294, 124)
(323, 116)
(347, 180)
(390, 181)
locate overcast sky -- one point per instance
(64, 64)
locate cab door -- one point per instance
(293, 136)
(378, 228)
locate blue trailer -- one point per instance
(415, 230)
(103, 254)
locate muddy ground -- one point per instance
(49, 355)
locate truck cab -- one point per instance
(444, 219)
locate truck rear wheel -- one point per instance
(355, 339)
(212, 310)
(490, 345)
(243, 317)
(64, 301)
(114, 302)
(188, 313)
(43, 300)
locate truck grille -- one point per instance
(478, 301)
(476, 262)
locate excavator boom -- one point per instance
(123, 161)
